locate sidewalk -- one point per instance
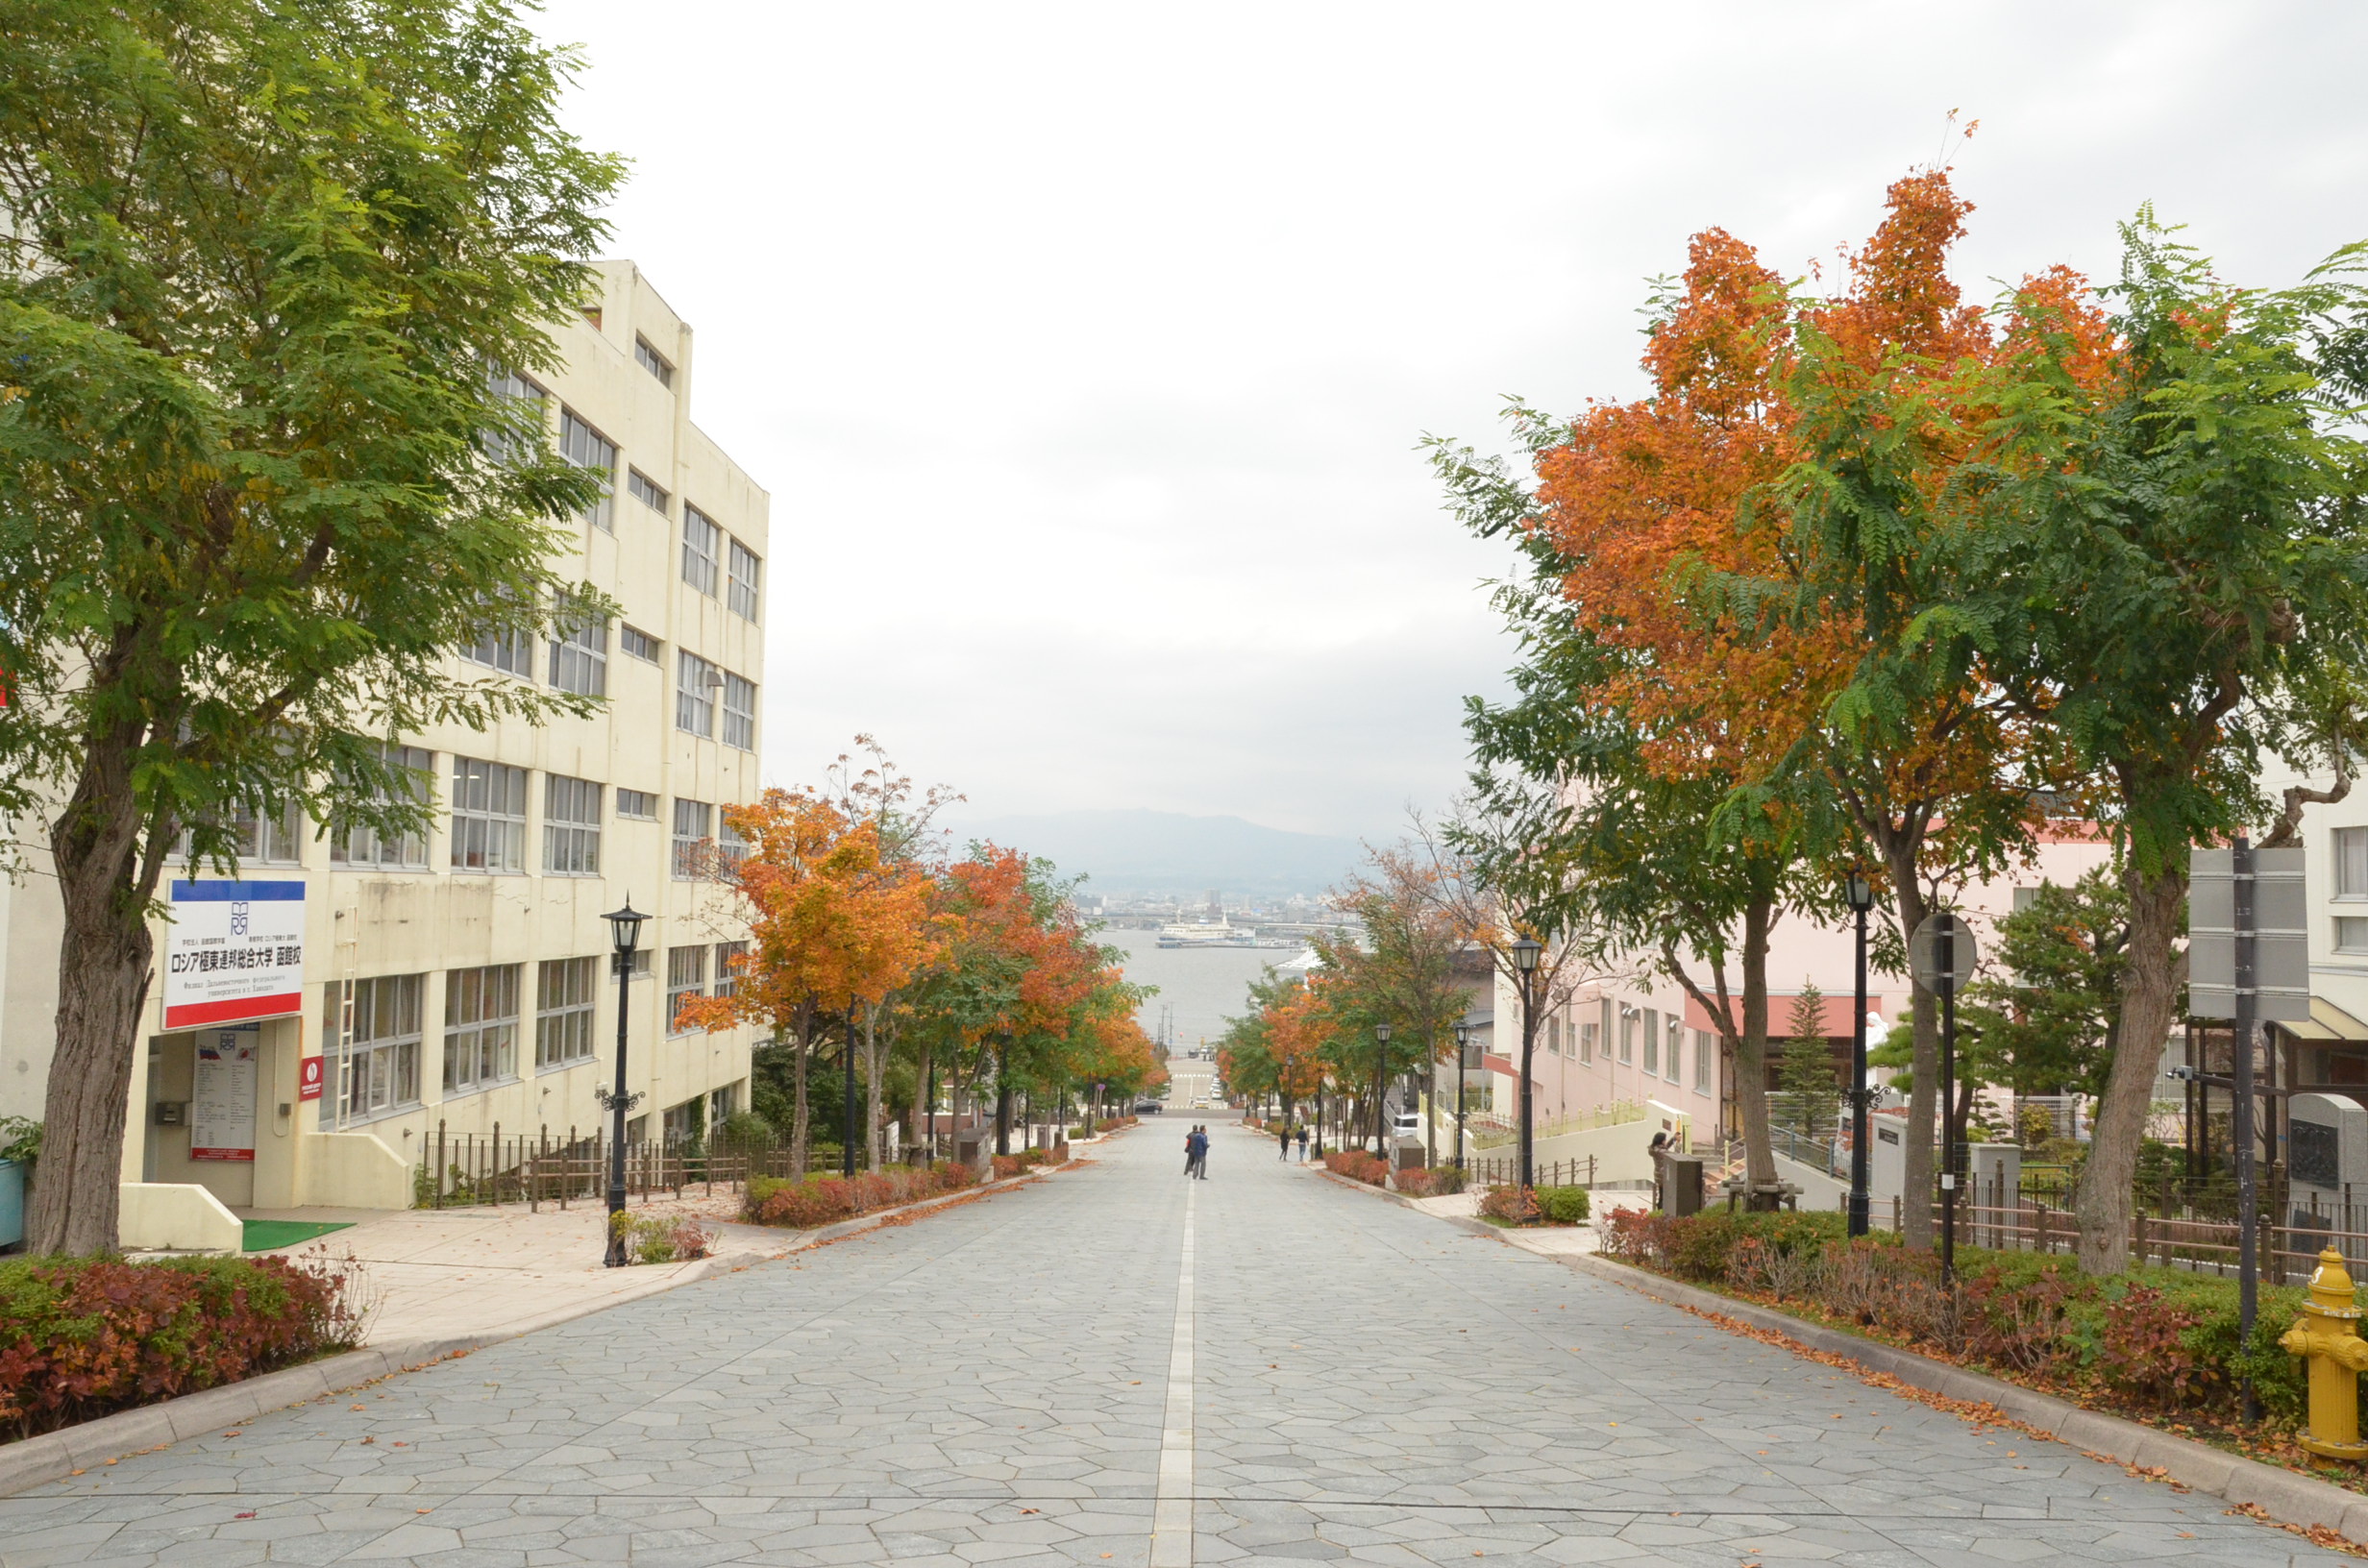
(442, 1273)
(488, 1269)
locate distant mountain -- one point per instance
(1149, 851)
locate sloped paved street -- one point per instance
(1006, 1383)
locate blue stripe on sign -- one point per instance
(223, 892)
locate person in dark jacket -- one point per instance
(1285, 1136)
(1303, 1143)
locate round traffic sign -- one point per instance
(1924, 951)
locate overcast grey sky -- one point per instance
(1084, 348)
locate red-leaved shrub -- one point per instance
(83, 1336)
(826, 1200)
(1358, 1165)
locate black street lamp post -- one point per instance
(1463, 1041)
(625, 933)
(1381, 1090)
(1525, 955)
(1862, 894)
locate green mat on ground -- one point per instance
(263, 1234)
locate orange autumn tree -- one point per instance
(1700, 700)
(833, 924)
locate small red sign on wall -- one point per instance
(308, 1078)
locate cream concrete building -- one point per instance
(459, 981)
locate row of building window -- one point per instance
(579, 663)
(1657, 1038)
(713, 562)
(489, 826)
(373, 1051)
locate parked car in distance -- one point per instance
(1407, 1124)
(1149, 1108)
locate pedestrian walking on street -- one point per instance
(1286, 1136)
(1303, 1143)
(1200, 1154)
(1191, 1149)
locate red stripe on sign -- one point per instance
(196, 1014)
(221, 1154)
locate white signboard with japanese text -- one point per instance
(222, 1106)
(235, 950)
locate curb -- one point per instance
(2287, 1495)
(55, 1455)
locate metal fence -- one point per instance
(1490, 1170)
(548, 1165)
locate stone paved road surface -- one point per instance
(993, 1386)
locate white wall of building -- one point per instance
(418, 928)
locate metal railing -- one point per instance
(547, 1165)
(1503, 1171)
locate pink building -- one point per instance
(1628, 1036)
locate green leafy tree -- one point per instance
(2051, 1022)
(1812, 1094)
(256, 261)
(2162, 555)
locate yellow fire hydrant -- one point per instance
(2328, 1335)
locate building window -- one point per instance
(2352, 933)
(1705, 1045)
(730, 849)
(727, 959)
(480, 1027)
(489, 816)
(1587, 1043)
(641, 964)
(2351, 863)
(696, 681)
(571, 826)
(564, 1010)
(694, 827)
(651, 361)
(586, 448)
(1674, 1061)
(648, 494)
(745, 567)
(739, 712)
(1553, 1035)
(1627, 1036)
(686, 976)
(521, 427)
(703, 543)
(639, 643)
(509, 649)
(1652, 1042)
(360, 846)
(579, 653)
(375, 1067)
(722, 1104)
(641, 807)
(259, 838)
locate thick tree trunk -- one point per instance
(105, 878)
(871, 1088)
(2149, 984)
(1751, 1050)
(801, 1120)
(1002, 1102)
(1921, 1177)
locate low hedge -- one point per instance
(85, 1337)
(1358, 1165)
(1436, 1181)
(2151, 1341)
(826, 1200)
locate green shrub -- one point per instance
(83, 1336)
(662, 1238)
(1562, 1205)
(745, 1129)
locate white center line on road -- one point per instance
(1172, 1514)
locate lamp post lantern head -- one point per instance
(1463, 1033)
(1525, 954)
(625, 927)
(1859, 891)
(1381, 1032)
